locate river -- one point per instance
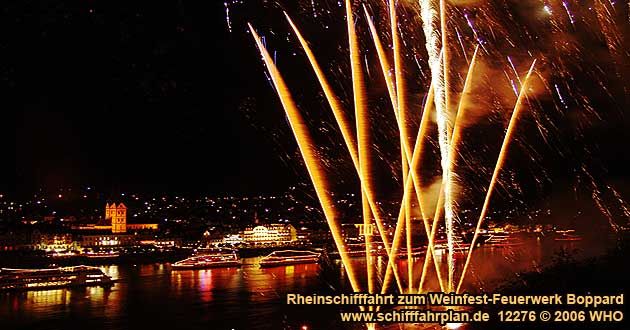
(152, 296)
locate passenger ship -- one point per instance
(289, 257)
(45, 279)
(460, 248)
(502, 239)
(567, 235)
(218, 258)
(358, 250)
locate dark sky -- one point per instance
(143, 95)
(161, 96)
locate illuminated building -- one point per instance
(162, 242)
(305, 235)
(351, 233)
(212, 238)
(52, 242)
(142, 226)
(270, 234)
(116, 221)
(108, 240)
(117, 216)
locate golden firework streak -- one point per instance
(430, 254)
(361, 116)
(436, 217)
(415, 161)
(382, 57)
(457, 126)
(346, 133)
(333, 101)
(396, 244)
(446, 160)
(497, 169)
(395, 92)
(303, 139)
(434, 27)
(402, 129)
(453, 149)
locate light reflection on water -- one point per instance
(246, 297)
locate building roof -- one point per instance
(113, 205)
(104, 222)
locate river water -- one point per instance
(152, 296)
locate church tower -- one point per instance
(118, 216)
(108, 210)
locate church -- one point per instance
(113, 230)
(116, 221)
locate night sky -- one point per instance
(162, 96)
(139, 95)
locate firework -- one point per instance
(450, 31)
(497, 169)
(303, 139)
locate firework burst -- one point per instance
(469, 75)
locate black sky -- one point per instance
(139, 95)
(161, 96)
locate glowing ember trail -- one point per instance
(565, 76)
(457, 131)
(346, 133)
(382, 57)
(497, 169)
(417, 155)
(435, 33)
(443, 121)
(361, 115)
(304, 142)
(333, 101)
(391, 262)
(415, 162)
(454, 142)
(407, 156)
(434, 227)
(402, 118)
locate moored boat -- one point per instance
(416, 252)
(53, 278)
(460, 248)
(289, 257)
(567, 235)
(219, 258)
(502, 239)
(100, 255)
(358, 250)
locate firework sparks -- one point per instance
(444, 128)
(361, 116)
(303, 139)
(402, 120)
(396, 92)
(497, 170)
(346, 133)
(492, 29)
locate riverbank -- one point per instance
(38, 259)
(608, 274)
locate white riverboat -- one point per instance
(289, 257)
(218, 258)
(53, 278)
